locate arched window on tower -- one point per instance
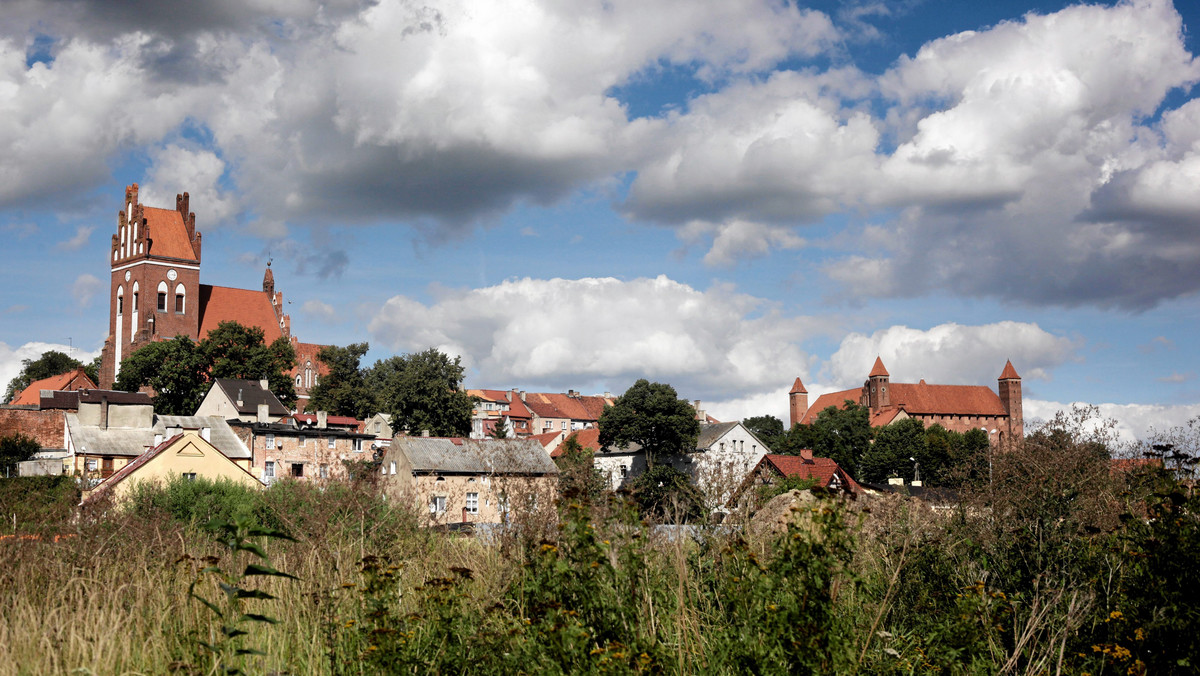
(180, 293)
(120, 300)
(135, 297)
(162, 296)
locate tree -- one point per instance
(500, 431)
(174, 369)
(843, 434)
(768, 429)
(16, 448)
(578, 478)
(663, 491)
(421, 392)
(653, 416)
(896, 448)
(344, 390)
(51, 363)
(179, 370)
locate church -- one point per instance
(156, 255)
(958, 408)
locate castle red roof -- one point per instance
(1009, 373)
(877, 369)
(919, 399)
(71, 380)
(248, 308)
(798, 387)
(168, 234)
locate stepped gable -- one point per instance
(248, 308)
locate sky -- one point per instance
(574, 195)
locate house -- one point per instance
(565, 412)
(469, 480)
(111, 429)
(825, 471)
(69, 381)
(724, 456)
(186, 454)
(155, 254)
(495, 406)
(305, 452)
(955, 407)
(380, 425)
(244, 400)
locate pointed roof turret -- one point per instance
(798, 387)
(269, 280)
(1009, 373)
(878, 369)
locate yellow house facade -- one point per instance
(186, 454)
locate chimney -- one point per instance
(424, 434)
(572, 393)
(263, 383)
(264, 413)
(806, 454)
(896, 481)
(104, 411)
(322, 419)
(522, 395)
(240, 401)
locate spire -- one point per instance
(878, 369)
(269, 281)
(798, 388)
(1009, 373)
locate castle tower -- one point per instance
(154, 263)
(876, 387)
(1009, 389)
(797, 402)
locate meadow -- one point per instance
(1057, 564)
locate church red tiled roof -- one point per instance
(71, 380)
(248, 308)
(168, 234)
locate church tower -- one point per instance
(797, 402)
(154, 262)
(875, 390)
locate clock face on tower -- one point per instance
(171, 275)
(127, 275)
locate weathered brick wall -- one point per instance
(45, 426)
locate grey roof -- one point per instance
(252, 393)
(92, 440)
(710, 432)
(475, 456)
(70, 399)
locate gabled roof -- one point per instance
(588, 439)
(168, 234)
(578, 407)
(307, 352)
(821, 469)
(248, 308)
(711, 432)
(798, 387)
(71, 380)
(252, 394)
(140, 461)
(877, 369)
(453, 455)
(516, 407)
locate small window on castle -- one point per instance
(179, 303)
(162, 301)
(120, 305)
(135, 300)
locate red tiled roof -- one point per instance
(877, 369)
(168, 234)
(579, 407)
(1009, 373)
(821, 469)
(69, 381)
(516, 408)
(798, 387)
(339, 420)
(589, 439)
(919, 399)
(248, 308)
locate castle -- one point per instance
(157, 252)
(956, 407)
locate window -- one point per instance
(303, 441)
(162, 296)
(332, 442)
(324, 472)
(472, 503)
(120, 301)
(358, 445)
(624, 471)
(179, 295)
(297, 381)
(135, 297)
(564, 424)
(270, 441)
(437, 504)
(91, 465)
(378, 428)
(189, 476)
(297, 469)
(393, 467)
(269, 471)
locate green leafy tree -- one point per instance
(422, 392)
(653, 416)
(344, 390)
(51, 363)
(665, 492)
(179, 370)
(578, 478)
(843, 434)
(236, 351)
(500, 431)
(16, 448)
(769, 430)
(896, 448)
(174, 369)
